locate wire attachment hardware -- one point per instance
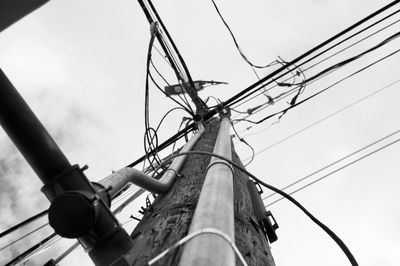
(264, 218)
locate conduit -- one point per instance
(214, 210)
(119, 179)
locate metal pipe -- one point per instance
(119, 179)
(214, 210)
(76, 209)
(28, 133)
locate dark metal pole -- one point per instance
(28, 134)
(78, 209)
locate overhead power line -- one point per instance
(323, 90)
(320, 62)
(249, 90)
(338, 169)
(327, 230)
(326, 117)
(236, 97)
(24, 223)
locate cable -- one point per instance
(245, 142)
(253, 66)
(31, 250)
(335, 171)
(323, 90)
(342, 50)
(190, 236)
(323, 119)
(248, 91)
(24, 236)
(160, 89)
(233, 99)
(335, 162)
(351, 59)
(23, 223)
(338, 241)
(333, 68)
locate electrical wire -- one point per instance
(244, 93)
(190, 236)
(323, 90)
(255, 86)
(351, 59)
(325, 71)
(24, 236)
(186, 108)
(23, 223)
(245, 142)
(324, 118)
(334, 171)
(337, 240)
(32, 249)
(237, 45)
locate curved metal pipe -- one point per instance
(119, 179)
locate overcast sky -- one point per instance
(80, 65)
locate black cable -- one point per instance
(353, 58)
(23, 223)
(24, 236)
(248, 90)
(232, 100)
(160, 89)
(165, 144)
(321, 61)
(236, 43)
(173, 45)
(30, 250)
(325, 118)
(245, 142)
(323, 90)
(338, 241)
(335, 171)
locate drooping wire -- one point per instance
(245, 142)
(256, 86)
(340, 51)
(186, 108)
(330, 70)
(337, 240)
(333, 172)
(247, 92)
(237, 45)
(323, 90)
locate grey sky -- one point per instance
(81, 67)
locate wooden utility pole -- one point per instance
(170, 216)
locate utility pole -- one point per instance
(170, 216)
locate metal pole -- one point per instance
(28, 134)
(214, 210)
(77, 209)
